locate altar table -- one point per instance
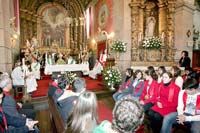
(49, 69)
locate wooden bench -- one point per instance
(58, 125)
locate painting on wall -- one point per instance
(54, 28)
(103, 16)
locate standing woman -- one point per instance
(150, 90)
(125, 86)
(185, 60)
(85, 116)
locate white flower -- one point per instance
(106, 78)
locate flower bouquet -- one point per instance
(112, 77)
(152, 43)
(71, 76)
(119, 46)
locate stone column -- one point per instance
(75, 33)
(170, 20)
(134, 30)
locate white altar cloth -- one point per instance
(49, 69)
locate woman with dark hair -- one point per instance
(125, 86)
(165, 103)
(150, 90)
(185, 60)
(161, 70)
(137, 85)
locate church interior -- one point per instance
(104, 48)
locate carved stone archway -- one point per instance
(164, 14)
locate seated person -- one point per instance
(9, 105)
(63, 85)
(14, 124)
(128, 115)
(67, 100)
(187, 110)
(60, 60)
(96, 70)
(125, 86)
(85, 116)
(54, 85)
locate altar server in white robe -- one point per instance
(96, 70)
(35, 67)
(31, 83)
(17, 77)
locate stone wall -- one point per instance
(6, 6)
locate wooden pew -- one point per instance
(58, 125)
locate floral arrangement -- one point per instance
(112, 77)
(71, 76)
(119, 46)
(152, 43)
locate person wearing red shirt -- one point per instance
(165, 103)
(188, 110)
(150, 89)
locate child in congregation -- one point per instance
(137, 85)
(161, 70)
(126, 85)
(188, 110)
(176, 73)
(128, 115)
(165, 102)
(150, 90)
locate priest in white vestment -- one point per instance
(96, 70)
(35, 66)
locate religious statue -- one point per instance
(150, 26)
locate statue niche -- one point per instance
(152, 18)
(150, 26)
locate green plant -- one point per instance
(119, 46)
(152, 43)
(112, 77)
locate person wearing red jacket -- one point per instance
(188, 110)
(150, 90)
(165, 103)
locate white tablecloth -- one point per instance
(49, 69)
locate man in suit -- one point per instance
(9, 105)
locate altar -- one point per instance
(49, 69)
